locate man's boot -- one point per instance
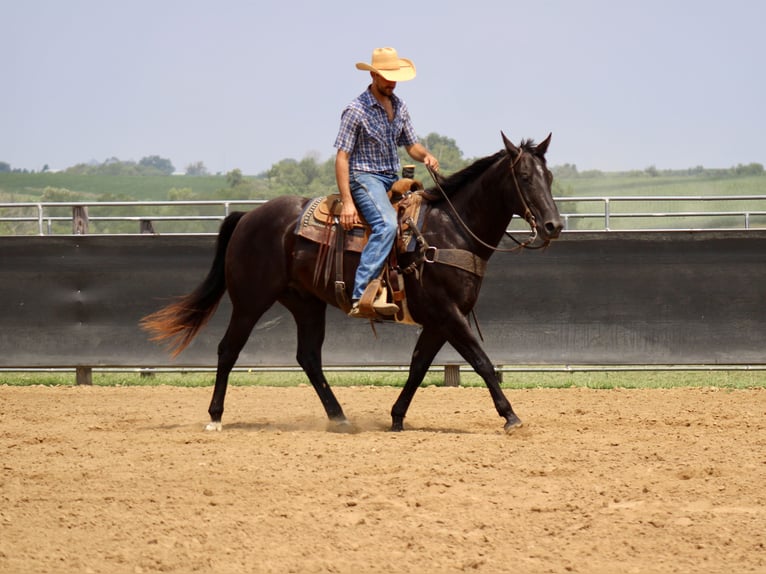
(382, 306)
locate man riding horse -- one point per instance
(372, 127)
(261, 258)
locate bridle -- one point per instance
(528, 215)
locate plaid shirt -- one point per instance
(370, 139)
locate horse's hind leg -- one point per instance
(240, 327)
(309, 315)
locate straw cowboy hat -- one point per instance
(387, 63)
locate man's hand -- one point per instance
(419, 153)
(348, 215)
(431, 161)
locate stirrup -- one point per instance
(374, 302)
(360, 313)
(386, 309)
(381, 304)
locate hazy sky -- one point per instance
(244, 84)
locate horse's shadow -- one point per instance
(361, 427)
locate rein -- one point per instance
(528, 216)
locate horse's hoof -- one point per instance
(340, 421)
(512, 425)
(341, 426)
(214, 426)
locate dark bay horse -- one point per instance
(260, 260)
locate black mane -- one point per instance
(460, 178)
(471, 172)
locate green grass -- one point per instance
(659, 379)
(620, 184)
(29, 187)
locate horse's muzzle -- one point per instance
(551, 228)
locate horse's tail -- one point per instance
(177, 324)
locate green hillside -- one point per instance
(20, 187)
(621, 184)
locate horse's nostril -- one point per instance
(554, 227)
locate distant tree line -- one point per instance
(289, 172)
(149, 165)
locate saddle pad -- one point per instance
(320, 229)
(317, 223)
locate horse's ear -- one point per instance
(542, 147)
(510, 148)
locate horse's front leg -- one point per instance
(465, 343)
(429, 343)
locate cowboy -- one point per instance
(372, 127)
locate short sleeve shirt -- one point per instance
(370, 139)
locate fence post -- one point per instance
(451, 375)
(80, 219)
(145, 226)
(84, 376)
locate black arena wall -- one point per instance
(661, 298)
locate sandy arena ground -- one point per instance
(113, 480)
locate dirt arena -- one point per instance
(112, 480)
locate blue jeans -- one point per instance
(369, 191)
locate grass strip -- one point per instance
(600, 379)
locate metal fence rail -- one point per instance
(45, 214)
(711, 212)
(586, 213)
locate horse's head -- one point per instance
(532, 179)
